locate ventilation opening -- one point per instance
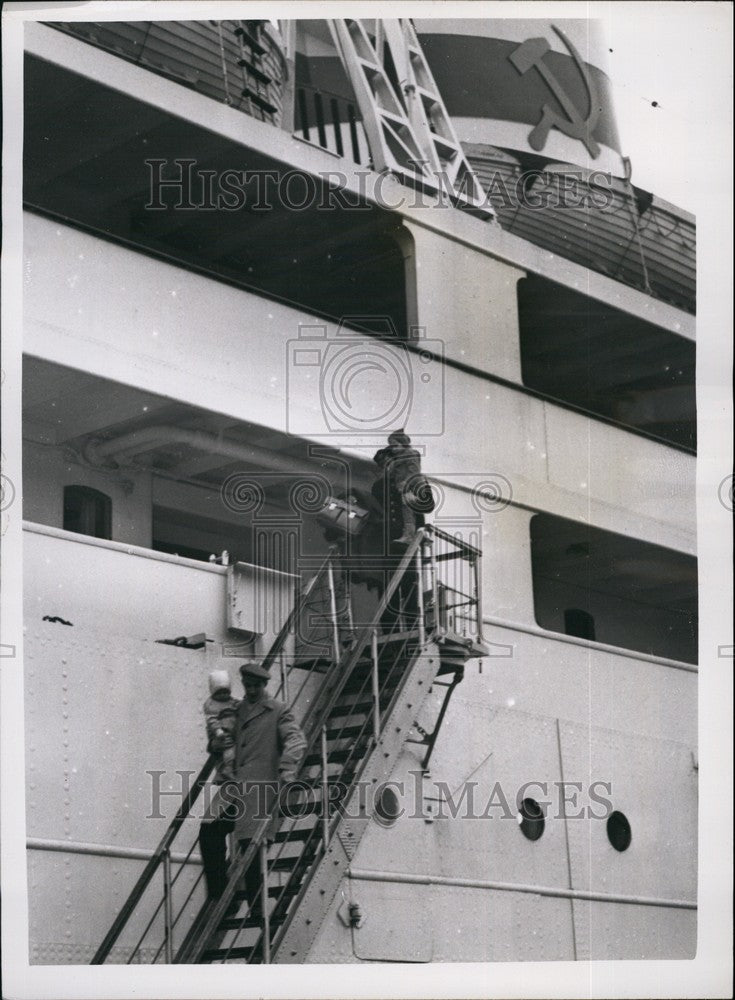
(531, 819)
(598, 585)
(87, 511)
(618, 831)
(594, 356)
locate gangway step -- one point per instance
(398, 637)
(357, 708)
(238, 924)
(361, 685)
(288, 864)
(274, 891)
(337, 756)
(262, 103)
(229, 954)
(306, 808)
(341, 781)
(346, 733)
(249, 40)
(289, 836)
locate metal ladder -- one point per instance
(407, 124)
(359, 713)
(255, 82)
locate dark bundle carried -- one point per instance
(344, 514)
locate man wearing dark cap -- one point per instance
(387, 492)
(269, 745)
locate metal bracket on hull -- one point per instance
(429, 739)
(409, 130)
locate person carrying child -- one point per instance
(404, 468)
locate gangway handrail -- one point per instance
(471, 550)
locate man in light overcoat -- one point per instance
(269, 745)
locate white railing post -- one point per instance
(325, 788)
(420, 595)
(375, 685)
(167, 907)
(438, 622)
(264, 901)
(333, 608)
(478, 596)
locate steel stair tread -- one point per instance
(238, 923)
(225, 954)
(348, 732)
(274, 891)
(291, 863)
(359, 707)
(293, 836)
(337, 756)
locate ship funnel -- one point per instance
(527, 86)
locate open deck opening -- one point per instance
(617, 590)
(604, 360)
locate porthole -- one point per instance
(618, 831)
(387, 806)
(531, 819)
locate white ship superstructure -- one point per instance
(217, 215)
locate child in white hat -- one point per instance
(219, 711)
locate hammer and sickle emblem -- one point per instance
(531, 54)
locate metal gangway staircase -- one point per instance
(357, 704)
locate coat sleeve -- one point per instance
(211, 719)
(292, 745)
(405, 469)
